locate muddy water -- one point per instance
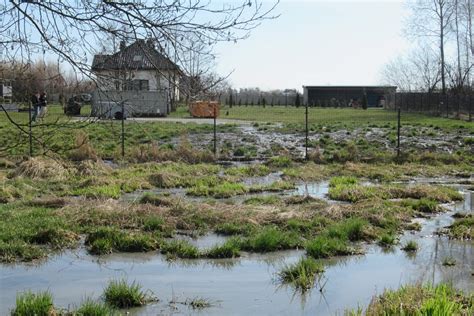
(247, 285)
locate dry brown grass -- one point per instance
(83, 149)
(93, 168)
(183, 152)
(49, 201)
(42, 168)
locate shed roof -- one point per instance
(140, 55)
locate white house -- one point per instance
(137, 67)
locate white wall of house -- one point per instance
(109, 80)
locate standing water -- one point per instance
(247, 285)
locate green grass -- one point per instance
(462, 228)
(429, 193)
(410, 246)
(277, 186)
(423, 205)
(333, 116)
(58, 133)
(230, 249)
(180, 249)
(233, 228)
(279, 162)
(449, 261)
(428, 300)
(270, 239)
(325, 247)
(199, 303)
(343, 181)
(263, 200)
(38, 304)
(351, 229)
(254, 170)
(105, 240)
(218, 191)
(387, 240)
(302, 274)
(153, 223)
(91, 307)
(121, 294)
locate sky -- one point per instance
(317, 43)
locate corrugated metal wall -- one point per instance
(142, 103)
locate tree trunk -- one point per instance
(458, 47)
(441, 47)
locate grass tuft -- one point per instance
(449, 262)
(230, 249)
(93, 308)
(270, 239)
(325, 247)
(39, 304)
(120, 294)
(301, 275)
(422, 300)
(410, 246)
(180, 249)
(387, 240)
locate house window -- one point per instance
(144, 85)
(136, 85)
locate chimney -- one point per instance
(122, 45)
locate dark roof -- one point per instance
(140, 55)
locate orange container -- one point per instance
(204, 109)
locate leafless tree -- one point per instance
(418, 70)
(432, 19)
(70, 30)
(398, 72)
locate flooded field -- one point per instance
(248, 284)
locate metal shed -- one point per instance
(344, 95)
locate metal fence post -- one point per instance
(30, 136)
(123, 129)
(447, 105)
(398, 130)
(215, 130)
(307, 132)
(470, 107)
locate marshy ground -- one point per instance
(257, 229)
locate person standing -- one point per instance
(43, 105)
(35, 103)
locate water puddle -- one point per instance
(247, 285)
(317, 190)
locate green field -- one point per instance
(328, 116)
